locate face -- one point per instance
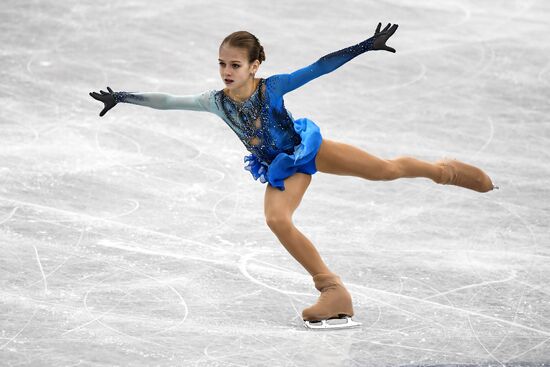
(235, 70)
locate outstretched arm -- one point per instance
(332, 61)
(160, 101)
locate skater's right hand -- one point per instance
(108, 99)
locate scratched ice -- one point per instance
(138, 238)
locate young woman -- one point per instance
(285, 152)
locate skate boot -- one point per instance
(464, 175)
(333, 309)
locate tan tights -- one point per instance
(344, 159)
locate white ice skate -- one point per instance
(340, 323)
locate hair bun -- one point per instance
(261, 55)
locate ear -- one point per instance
(254, 66)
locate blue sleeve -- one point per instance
(288, 82)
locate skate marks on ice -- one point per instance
(362, 291)
(122, 237)
(263, 268)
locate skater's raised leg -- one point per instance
(344, 159)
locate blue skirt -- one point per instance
(285, 165)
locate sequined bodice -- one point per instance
(263, 132)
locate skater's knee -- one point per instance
(278, 222)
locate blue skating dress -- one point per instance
(279, 145)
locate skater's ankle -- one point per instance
(321, 271)
(445, 172)
(324, 274)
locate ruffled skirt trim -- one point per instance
(285, 165)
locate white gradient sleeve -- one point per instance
(165, 101)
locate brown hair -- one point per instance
(247, 41)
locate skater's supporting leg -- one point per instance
(279, 207)
(344, 159)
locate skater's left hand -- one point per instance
(380, 37)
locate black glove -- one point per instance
(108, 99)
(380, 37)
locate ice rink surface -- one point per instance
(138, 239)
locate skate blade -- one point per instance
(340, 323)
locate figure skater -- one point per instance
(285, 153)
